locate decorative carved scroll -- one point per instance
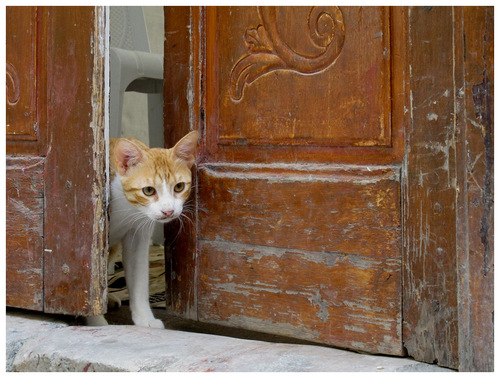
(13, 85)
(268, 52)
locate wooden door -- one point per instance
(448, 189)
(299, 222)
(344, 184)
(56, 180)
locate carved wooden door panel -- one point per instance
(55, 182)
(298, 194)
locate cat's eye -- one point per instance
(179, 187)
(149, 191)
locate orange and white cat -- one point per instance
(148, 185)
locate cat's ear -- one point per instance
(127, 155)
(185, 149)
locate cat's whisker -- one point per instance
(184, 216)
(132, 218)
(140, 227)
(181, 228)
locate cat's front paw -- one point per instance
(148, 322)
(156, 323)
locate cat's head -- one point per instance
(156, 181)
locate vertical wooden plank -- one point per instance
(448, 207)
(181, 115)
(26, 144)
(76, 218)
(24, 232)
(429, 254)
(179, 73)
(474, 72)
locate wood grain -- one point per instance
(334, 209)
(21, 73)
(76, 217)
(475, 150)
(26, 110)
(313, 253)
(273, 184)
(448, 192)
(345, 300)
(430, 278)
(26, 145)
(24, 232)
(182, 113)
(350, 111)
(281, 205)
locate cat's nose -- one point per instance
(167, 213)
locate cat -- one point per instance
(148, 185)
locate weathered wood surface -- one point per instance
(430, 276)
(26, 128)
(314, 255)
(252, 193)
(26, 135)
(75, 218)
(448, 190)
(314, 82)
(474, 72)
(56, 184)
(273, 190)
(338, 299)
(338, 210)
(21, 73)
(24, 232)
(182, 113)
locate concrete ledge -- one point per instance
(36, 342)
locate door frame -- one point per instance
(448, 213)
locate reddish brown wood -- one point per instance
(179, 73)
(75, 219)
(308, 254)
(270, 35)
(338, 299)
(265, 261)
(331, 209)
(25, 131)
(474, 73)
(344, 108)
(181, 115)
(26, 89)
(21, 73)
(24, 232)
(430, 278)
(448, 194)
(316, 213)
(252, 204)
